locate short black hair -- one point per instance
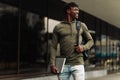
(69, 5)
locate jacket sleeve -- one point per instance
(89, 40)
(53, 48)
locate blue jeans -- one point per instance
(76, 71)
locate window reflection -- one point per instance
(8, 39)
(33, 42)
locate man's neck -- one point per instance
(70, 19)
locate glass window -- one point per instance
(8, 39)
(33, 43)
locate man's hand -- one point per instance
(79, 48)
(54, 69)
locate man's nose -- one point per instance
(77, 11)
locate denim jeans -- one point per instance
(77, 72)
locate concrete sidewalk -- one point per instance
(113, 76)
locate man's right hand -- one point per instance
(54, 69)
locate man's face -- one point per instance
(74, 12)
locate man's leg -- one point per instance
(65, 75)
(78, 72)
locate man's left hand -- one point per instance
(79, 48)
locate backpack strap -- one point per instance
(85, 53)
(78, 31)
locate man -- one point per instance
(65, 34)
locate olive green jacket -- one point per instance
(65, 34)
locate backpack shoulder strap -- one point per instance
(78, 23)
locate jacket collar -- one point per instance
(68, 22)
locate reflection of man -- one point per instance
(65, 34)
(39, 40)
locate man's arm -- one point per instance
(53, 51)
(88, 38)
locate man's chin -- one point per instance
(76, 17)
